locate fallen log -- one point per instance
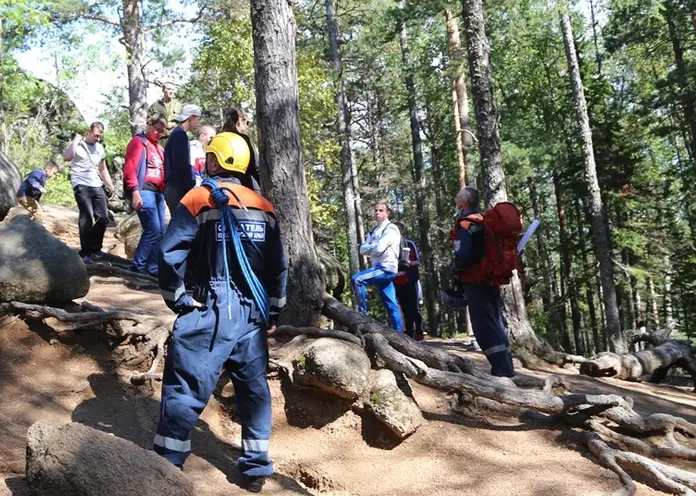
(359, 323)
(633, 366)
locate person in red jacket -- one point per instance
(143, 184)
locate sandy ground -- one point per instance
(319, 445)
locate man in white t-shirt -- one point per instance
(206, 134)
(88, 176)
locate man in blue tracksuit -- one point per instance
(484, 301)
(382, 246)
(224, 272)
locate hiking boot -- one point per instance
(253, 484)
(472, 346)
(420, 338)
(99, 254)
(87, 259)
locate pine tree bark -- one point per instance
(685, 91)
(600, 227)
(589, 280)
(280, 151)
(478, 50)
(460, 98)
(669, 313)
(548, 296)
(350, 198)
(567, 272)
(419, 179)
(133, 40)
(653, 302)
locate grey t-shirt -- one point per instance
(84, 167)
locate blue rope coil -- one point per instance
(229, 222)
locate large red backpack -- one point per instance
(502, 228)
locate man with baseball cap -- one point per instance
(178, 174)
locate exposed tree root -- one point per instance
(316, 332)
(610, 416)
(137, 336)
(655, 474)
(358, 323)
(115, 270)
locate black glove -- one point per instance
(184, 303)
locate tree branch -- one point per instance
(171, 22)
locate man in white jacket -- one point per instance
(382, 246)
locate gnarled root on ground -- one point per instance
(136, 337)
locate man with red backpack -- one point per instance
(143, 184)
(484, 257)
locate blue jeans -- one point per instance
(152, 221)
(383, 280)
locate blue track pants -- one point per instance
(383, 280)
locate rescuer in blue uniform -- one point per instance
(223, 270)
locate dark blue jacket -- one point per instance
(191, 257)
(469, 241)
(31, 186)
(177, 161)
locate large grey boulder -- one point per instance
(76, 460)
(10, 179)
(335, 366)
(391, 406)
(35, 267)
(129, 232)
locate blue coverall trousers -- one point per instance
(486, 313)
(203, 342)
(152, 221)
(383, 280)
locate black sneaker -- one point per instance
(253, 484)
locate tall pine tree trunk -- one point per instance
(280, 151)
(685, 89)
(349, 194)
(419, 179)
(478, 50)
(547, 295)
(133, 40)
(652, 297)
(464, 138)
(667, 296)
(599, 222)
(589, 280)
(460, 98)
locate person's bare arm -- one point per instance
(69, 152)
(106, 177)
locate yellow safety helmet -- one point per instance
(231, 150)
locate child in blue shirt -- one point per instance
(34, 185)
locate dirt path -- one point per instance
(319, 445)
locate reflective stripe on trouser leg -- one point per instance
(247, 368)
(191, 371)
(485, 310)
(360, 280)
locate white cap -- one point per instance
(187, 112)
